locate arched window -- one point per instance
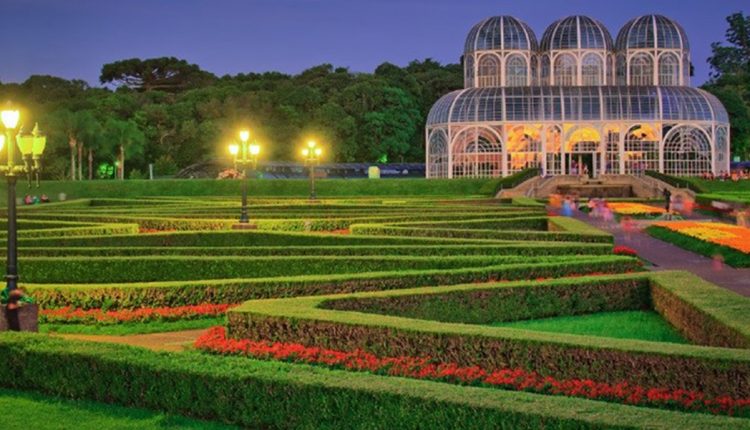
(544, 70)
(516, 72)
(592, 70)
(469, 71)
(687, 152)
(438, 155)
(641, 70)
(565, 70)
(669, 70)
(621, 70)
(477, 153)
(489, 71)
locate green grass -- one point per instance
(132, 328)
(641, 325)
(23, 411)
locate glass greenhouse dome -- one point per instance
(576, 98)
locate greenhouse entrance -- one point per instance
(583, 159)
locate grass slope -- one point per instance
(641, 325)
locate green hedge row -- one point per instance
(702, 312)
(457, 233)
(732, 257)
(530, 249)
(715, 371)
(518, 302)
(234, 238)
(105, 270)
(258, 394)
(90, 230)
(272, 187)
(179, 293)
(530, 223)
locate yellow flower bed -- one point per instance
(728, 235)
(623, 208)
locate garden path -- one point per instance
(665, 256)
(174, 341)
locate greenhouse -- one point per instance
(577, 103)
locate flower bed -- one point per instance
(636, 209)
(216, 341)
(69, 315)
(731, 236)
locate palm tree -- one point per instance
(126, 136)
(76, 126)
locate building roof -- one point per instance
(500, 33)
(608, 103)
(652, 32)
(576, 32)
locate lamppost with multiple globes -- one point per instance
(31, 147)
(245, 155)
(312, 155)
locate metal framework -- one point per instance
(623, 107)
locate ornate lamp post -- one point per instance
(31, 148)
(245, 155)
(312, 157)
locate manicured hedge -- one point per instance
(69, 270)
(701, 311)
(259, 394)
(516, 302)
(270, 187)
(179, 293)
(731, 256)
(456, 233)
(235, 238)
(715, 371)
(536, 248)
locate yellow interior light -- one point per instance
(234, 149)
(305, 152)
(254, 149)
(311, 144)
(318, 151)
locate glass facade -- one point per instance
(625, 106)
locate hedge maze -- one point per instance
(369, 313)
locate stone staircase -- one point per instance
(642, 187)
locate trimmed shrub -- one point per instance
(279, 395)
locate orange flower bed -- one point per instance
(624, 208)
(731, 236)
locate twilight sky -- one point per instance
(73, 38)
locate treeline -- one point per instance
(171, 113)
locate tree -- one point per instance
(164, 73)
(75, 126)
(126, 136)
(730, 81)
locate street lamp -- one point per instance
(31, 147)
(245, 155)
(312, 156)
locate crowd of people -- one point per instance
(32, 200)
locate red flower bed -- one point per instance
(77, 316)
(215, 340)
(144, 230)
(624, 250)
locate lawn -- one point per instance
(642, 325)
(24, 411)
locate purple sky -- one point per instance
(73, 38)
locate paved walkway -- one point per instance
(174, 341)
(665, 256)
